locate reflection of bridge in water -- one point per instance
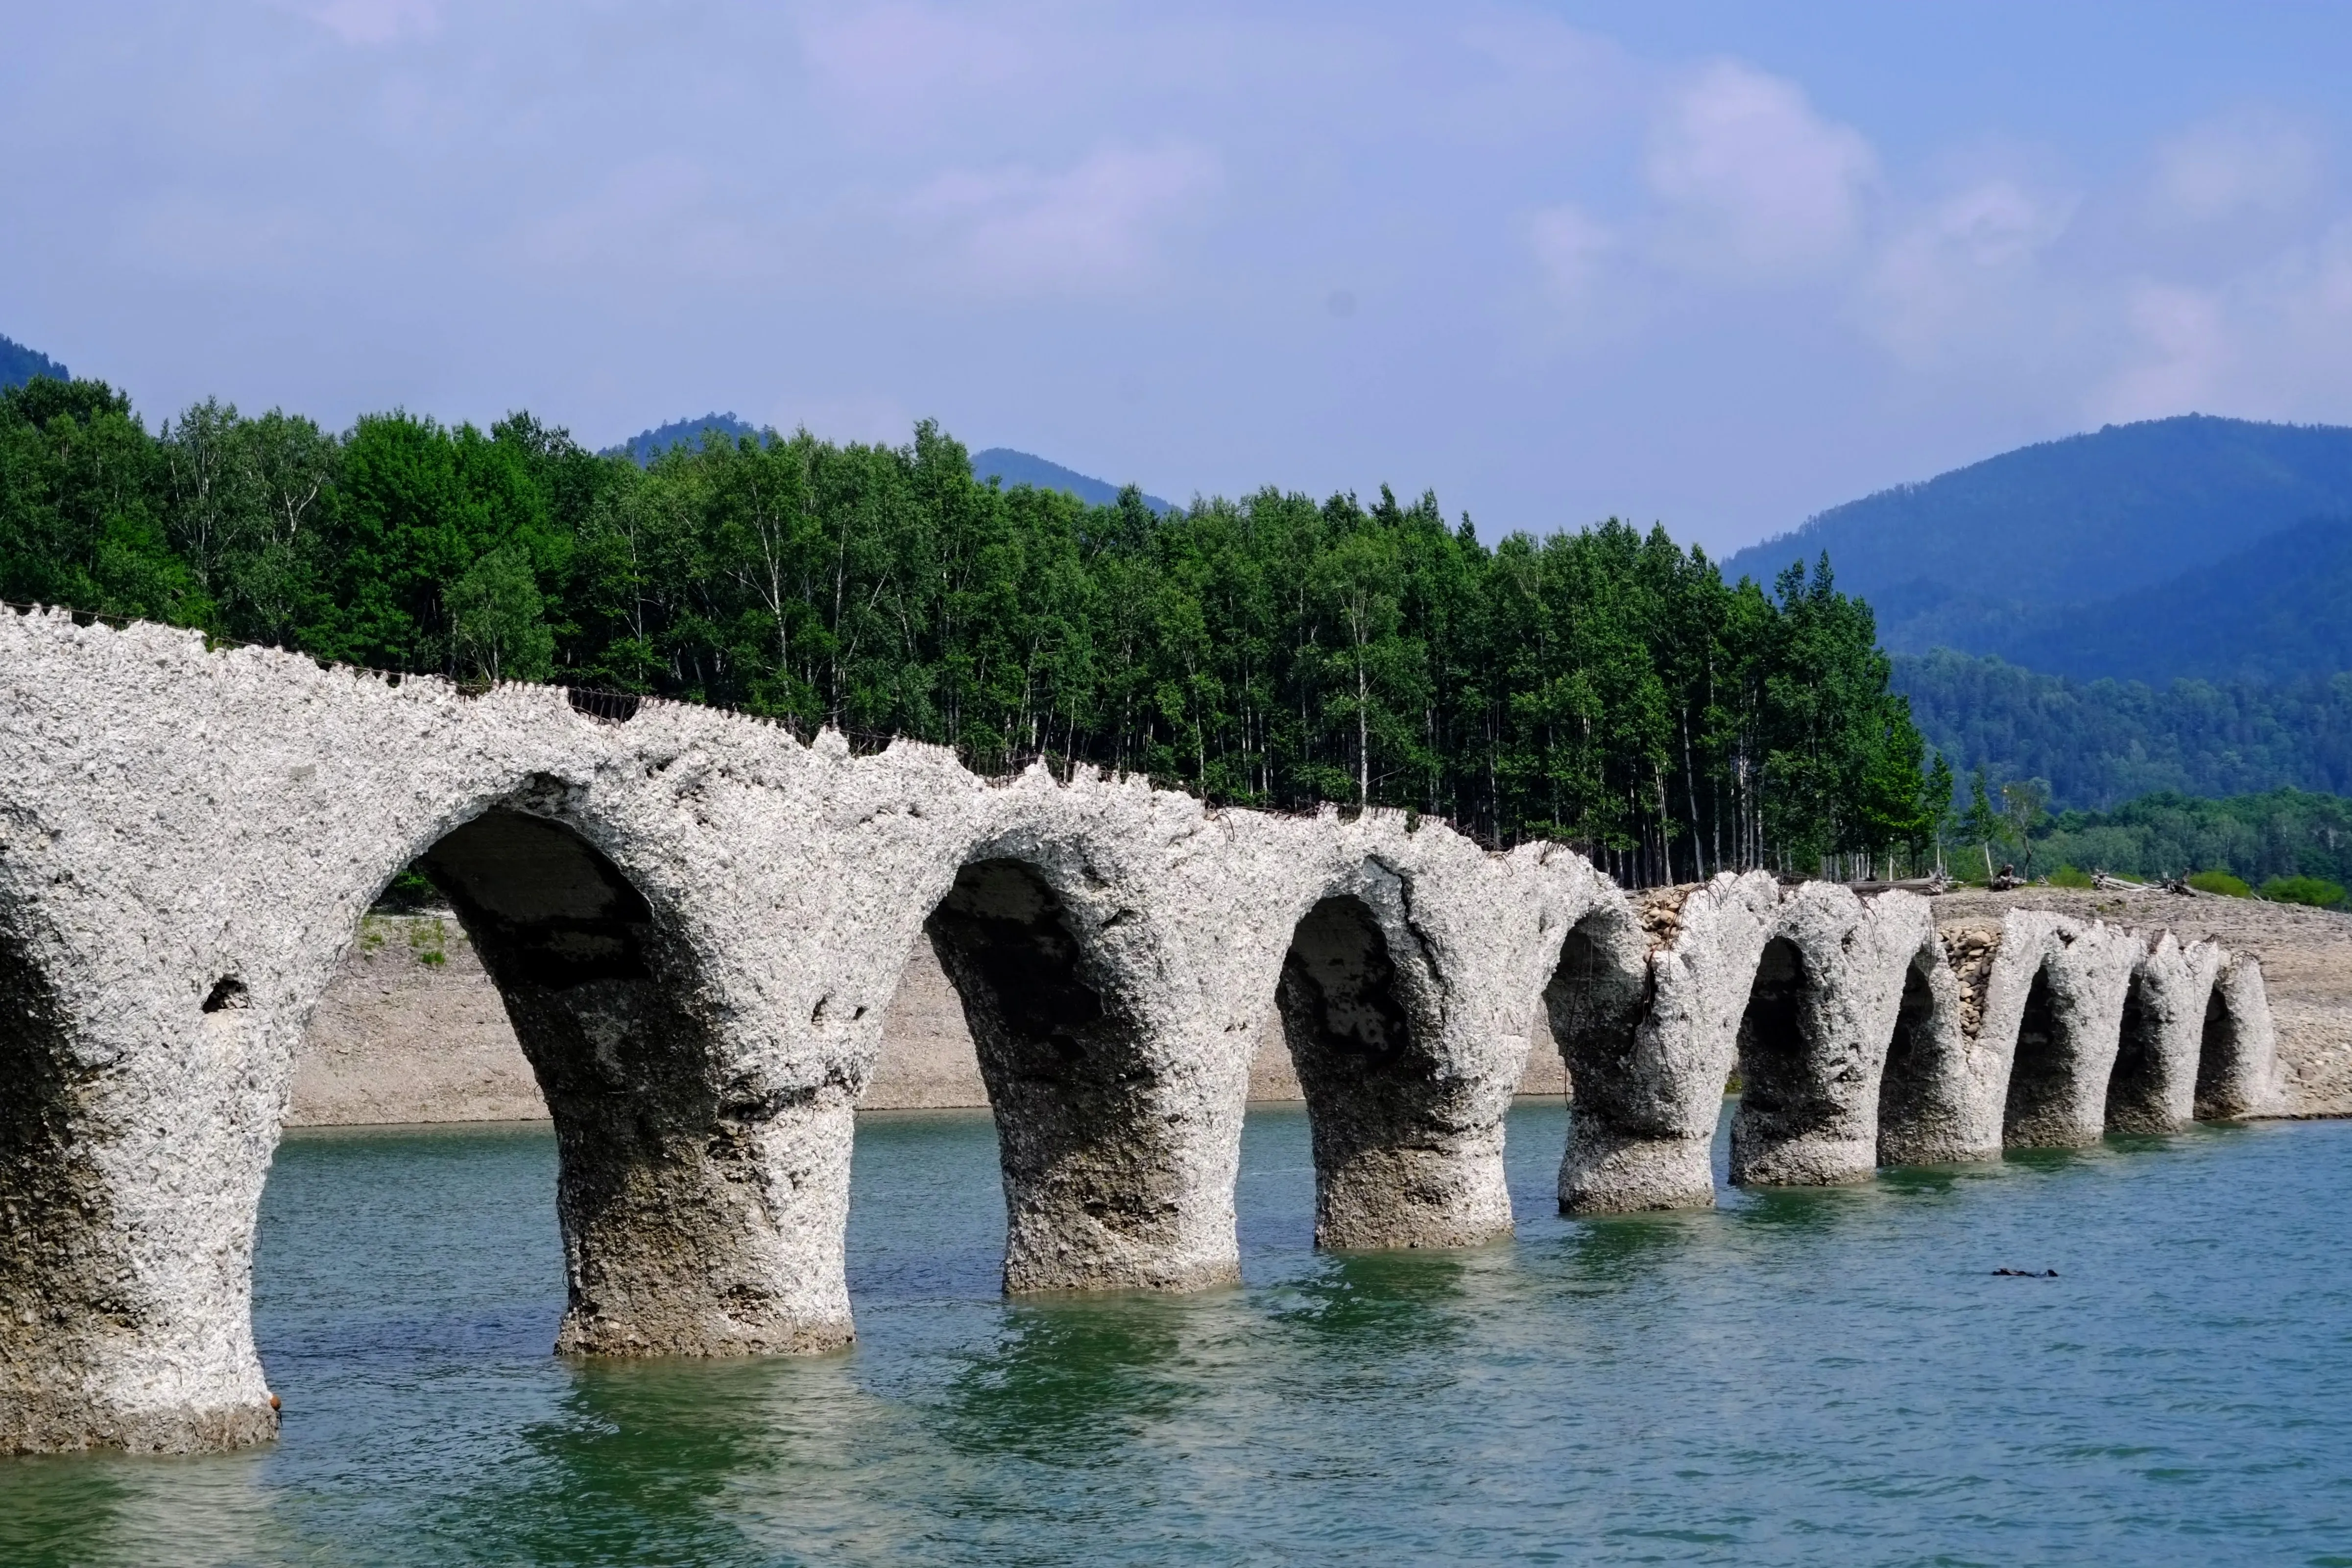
(695, 922)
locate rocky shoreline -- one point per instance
(412, 1030)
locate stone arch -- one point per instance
(1596, 1000)
(2237, 1045)
(671, 1236)
(2153, 1086)
(2048, 1000)
(2039, 1073)
(1407, 1148)
(1645, 1114)
(1781, 1036)
(1104, 1142)
(1922, 1085)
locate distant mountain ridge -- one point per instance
(647, 444)
(2061, 555)
(19, 364)
(1012, 468)
(1002, 464)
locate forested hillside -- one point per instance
(2100, 744)
(19, 364)
(2283, 833)
(1604, 687)
(646, 445)
(2277, 610)
(1978, 558)
(1011, 467)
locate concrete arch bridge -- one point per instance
(696, 921)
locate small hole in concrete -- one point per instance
(228, 992)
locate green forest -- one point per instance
(2277, 835)
(2101, 743)
(1606, 689)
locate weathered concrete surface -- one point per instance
(395, 1039)
(1648, 1080)
(696, 924)
(2305, 957)
(2153, 1088)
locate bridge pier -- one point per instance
(1407, 1130)
(1117, 1104)
(140, 1111)
(2153, 1088)
(702, 1206)
(1648, 1062)
(1815, 1037)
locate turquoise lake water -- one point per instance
(1815, 1377)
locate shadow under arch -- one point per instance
(1921, 1081)
(1101, 1187)
(1598, 994)
(2137, 1083)
(2039, 1078)
(1376, 1103)
(1780, 1099)
(669, 1238)
(2223, 1056)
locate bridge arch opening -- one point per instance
(1913, 1089)
(1096, 1187)
(2222, 1056)
(1595, 1002)
(662, 1189)
(2138, 1086)
(1367, 1077)
(2035, 1103)
(1779, 1044)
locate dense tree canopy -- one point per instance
(1605, 688)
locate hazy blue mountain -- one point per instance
(2280, 608)
(2103, 743)
(1978, 559)
(19, 364)
(647, 444)
(1013, 467)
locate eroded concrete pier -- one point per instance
(696, 923)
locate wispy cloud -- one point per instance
(375, 22)
(2223, 169)
(1755, 184)
(1100, 225)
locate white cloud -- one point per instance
(1571, 247)
(1755, 185)
(2230, 168)
(1961, 273)
(904, 58)
(2183, 349)
(2270, 342)
(1099, 225)
(378, 21)
(657, 217)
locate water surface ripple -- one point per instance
(1814, 1377)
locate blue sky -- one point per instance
(1717, 265)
